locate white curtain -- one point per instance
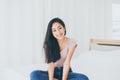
(23, 25)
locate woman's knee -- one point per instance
(82, 77)
(34, 74)
(39, 75)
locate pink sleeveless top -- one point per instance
(71, 43)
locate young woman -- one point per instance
(59, 50)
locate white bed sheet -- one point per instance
(97, 65)
(10, 74)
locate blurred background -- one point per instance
(23, 26)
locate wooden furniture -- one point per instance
(104, 42)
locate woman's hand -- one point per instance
(55, 79)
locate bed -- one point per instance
(101, 62)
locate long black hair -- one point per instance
(51, 46)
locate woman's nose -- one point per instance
(58, 31)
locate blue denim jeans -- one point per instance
(43, 75)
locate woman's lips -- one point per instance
(60, 35)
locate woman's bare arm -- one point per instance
(51, 70)
(66, 66)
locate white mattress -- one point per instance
(10, 74)
(99, 65)
(95, 64)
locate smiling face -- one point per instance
(58, 30)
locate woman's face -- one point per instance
(58, 30)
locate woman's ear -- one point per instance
(64, 31)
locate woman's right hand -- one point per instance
(55, 79)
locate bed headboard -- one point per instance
(104, 44)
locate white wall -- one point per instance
(23, 25)
(115, 21)
(101, 18)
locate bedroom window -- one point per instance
(116, 21)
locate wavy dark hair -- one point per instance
(51, 46)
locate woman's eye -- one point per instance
(60, 28)
(54, 30)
